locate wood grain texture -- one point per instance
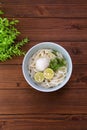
(77, 51)
(22, 107)
(44, 2)
(45, 10)
(48, 121)
(65, 101)
(11, 77)
(48, 29)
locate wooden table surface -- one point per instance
(22, 107)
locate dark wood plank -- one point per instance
(48, 121)
(77, 51)
(22, 107)
(44, 10)
(48, 29)
(65, 101)
(11, 77)
(44, 1)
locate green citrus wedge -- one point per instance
(48, 73)
(39, 77)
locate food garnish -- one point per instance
(8, 36)
(39, 77)
(48, 73)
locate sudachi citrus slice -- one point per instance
(48, 73)
(39, 77)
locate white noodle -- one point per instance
(59, 75)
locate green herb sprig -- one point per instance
(8, 36)
(56, 63)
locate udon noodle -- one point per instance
(59, 75)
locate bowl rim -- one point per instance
(58, 86)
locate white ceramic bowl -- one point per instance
(34, 49)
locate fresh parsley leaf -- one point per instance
(8, 36)
(56, 63)
(54, 52)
